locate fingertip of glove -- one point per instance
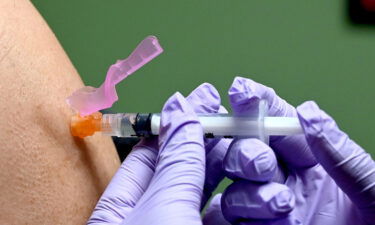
(249, 159)
(311, 118)
(243, 90)
(320, 129)
(222, 109)
(250, 200)
(282, 203)
(213, 213)
(245, 94)
(210, 90)
(205, 99)
(215, 203)
(176, 112)
(265, 166)
(323, 135)
(176, 104)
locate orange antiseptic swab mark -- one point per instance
(83, 126)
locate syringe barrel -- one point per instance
(214, 125)
(252, 125)
(227, 126)
(249, 125)
(219, 125)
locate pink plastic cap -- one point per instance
(88, 99)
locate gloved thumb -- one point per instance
(175, 191)
(181, 159)
(346, 162)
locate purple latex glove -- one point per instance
(161, 183)
(321, 177)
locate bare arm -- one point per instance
(46, 176)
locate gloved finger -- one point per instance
(215, 153)
(206, 99)
(244, 96)
(346, 162)
(244, 200)
(176, 188)
(250, 159)
(128, 185)
(213, 215)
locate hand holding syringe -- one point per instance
(249, 162)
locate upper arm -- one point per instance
(46, 176)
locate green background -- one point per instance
(305, 50)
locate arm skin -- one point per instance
(46, 175)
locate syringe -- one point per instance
(214, 125)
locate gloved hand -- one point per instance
(321, 177)
(162, 180)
